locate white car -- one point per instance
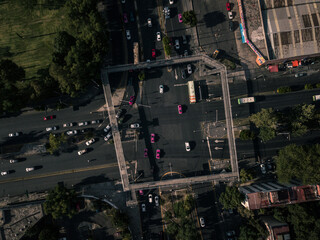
(149, 22)
(119, 113)
(82, 152)
(230, 15)
(156, 200)
(161, 88)
(189, 68)
(202, 224)
(187, 144)
(135, 125)
(72, 132)
(107, 128)
(49, 129)
(158, 36)
(83, 124)
(13, 161)
(263, 168)
(177, 44)
(95, 121)
(67, 124)
(123, 1)
(15, 134)
(106, 138)
(29, 169)
(128, 34)
(90, 141)
(150, 198)
(143, 207)
(171, 1)
(4, 173)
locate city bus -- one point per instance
(192, 94)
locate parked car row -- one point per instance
(150, 200)
(4, 173)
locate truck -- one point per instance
(316, 97)
(246, 100)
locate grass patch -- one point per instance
(27, 35)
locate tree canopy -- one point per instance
(190, 18)
(299, 162)
(60, 202)
(231, 198)
(265, 118)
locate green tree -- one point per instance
(190, 18)
(62, 45)
(231, 198)
(245, 175)
(284, 89)
(61, 202)
(247, 135)
(247, 232)
(265, 118)
(119, 219)
(308, 86)
(49, 234)
(142, 76)
(318, 85)
(166, 45)
(55, 142)
(300, 117)
(267, 134)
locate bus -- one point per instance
(136, 52)
(192, 94)
(246, 100)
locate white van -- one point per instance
(187, 144)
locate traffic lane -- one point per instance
(108, 173)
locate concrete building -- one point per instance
(274, 194)
(277, 230)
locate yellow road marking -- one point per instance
(91, 168)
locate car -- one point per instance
(131, 17)
(184, 39)
(153, 53)
(134, 125)
(156, 200)
(230, 15)
(146, 152)
(123, 1)
(231, 25)
(49, 129)
(148, 61)
(15, 134)
(179, 109)
(263, 168)
(161, 89)
(158, 36)
(83, 124)
(90, 141)
(81, 152)
(171, 1)
(150, 198)
(72, 132)
(228, 5)
(4, 173)
(300, 74)
(119, 113)
(215, 54)
(13, 161)
(109, 135)
(185, 53)
(96, 121)
(152, 137)
(189, 69)
(141, 192)
(128, 35)
(166, 11)
(149, 22)
(187, 145)
(107, 128)
(158, 154)
(125, 18)
(49, 117)
(67, 125)
(131, 101)
(143, 207)
(202, 224)
(180, 18)
(177, 44)
(183, 74)
(231, 233)
(29, 169)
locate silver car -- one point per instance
(128, 34)
(49, 129)
(177, 44)
(106, 138)
(149, 22)
(72, 132)
(15, 134)
(134, 125)
(189, 68)
(83, 124)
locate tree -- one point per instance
(55, 142)
(190, 18)
(246, 135)
(142, 76)
(49, 234)
(231, 198)
(265, 118)
(318, 85)
(62, 45)
(300, 117)
(166, 45)
(247, 232)
(245, 175)
(267, 134)
(119, 219)
(308, 86)
(61, 202)
(284, 89)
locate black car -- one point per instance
(231, 26)
(183, 74)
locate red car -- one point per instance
(146, 152)
(132, 98)
(180, 109)
(180, 17)
(153, 137)
(228, 5)
(158, 154)
(49, 117)
(141, 192)
(125, 18)
(153, 53)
